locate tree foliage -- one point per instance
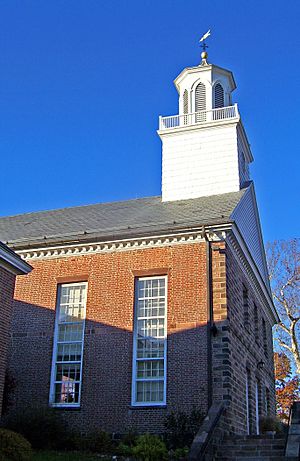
(287, 385)
(283, 368)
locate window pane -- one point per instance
(66, 372)
(150, 369)
(149, 391)
(70, 332)
(154, 328)
(67, 392)
(69, 352)
(148, 348)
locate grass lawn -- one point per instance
(65, 456)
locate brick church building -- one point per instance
(137, 308)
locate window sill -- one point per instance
(146, 406)
(58, 406)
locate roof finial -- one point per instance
(204, 54)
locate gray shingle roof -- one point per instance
(142, 216)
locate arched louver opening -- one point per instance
(219, 96)
(185, 106)
(200, 102)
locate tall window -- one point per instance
(218, 96)
(150, 341)
(267, 401)
(68, 345)
(246, 307)
(248, 399)
(265, 338)
(200, 102)
(256, 329)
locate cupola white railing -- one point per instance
(204, 116)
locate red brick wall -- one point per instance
(106, 387)
(7, 283)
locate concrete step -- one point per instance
(252, 448)
(249, 458)
(254, 439)
(250, 452)
(249, 447)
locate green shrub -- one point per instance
(150, 448)
(99, 442)
(180, 454)
(43, 427)
(181, 428)
(73, 441)
(124, 450)
(130, 438)
(14, 447)
(128, 441)
(269, 423)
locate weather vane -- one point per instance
(204, 46)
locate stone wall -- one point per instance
(250, 349)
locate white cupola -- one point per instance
(204, 149)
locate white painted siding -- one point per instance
(247, 219)
(200, 162)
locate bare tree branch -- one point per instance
(284, 269)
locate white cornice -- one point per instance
(67, 250)
(200, 68)
(185, 236)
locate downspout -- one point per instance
(209, 290)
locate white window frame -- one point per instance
(135, 337)
(55, 347)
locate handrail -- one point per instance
(196, 118)
(204, 435)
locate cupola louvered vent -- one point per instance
(219, 96)
(185, 102)
(185, 106)
(200, 102)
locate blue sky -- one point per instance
(82, 84)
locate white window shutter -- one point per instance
(185, 102)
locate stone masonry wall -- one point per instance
(107, 361)
(221, 365)
(7, 283)
(248, 346)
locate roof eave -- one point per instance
(94, 236)
(12, 262)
